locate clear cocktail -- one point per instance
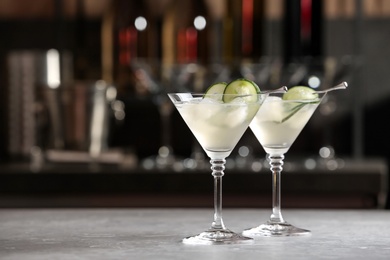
(279, 122)
(276, 125)
(217, 126)
(218, 121)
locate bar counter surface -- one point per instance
(155, 233)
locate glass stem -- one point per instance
(218, 166)
(276, 163)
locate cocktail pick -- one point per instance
(278, 90)
(342, 85)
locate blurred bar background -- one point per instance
(83, 105)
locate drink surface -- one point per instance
(217, 126)
(278, 123)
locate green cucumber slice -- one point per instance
(217, 88)
(243, 88)
(299, 93)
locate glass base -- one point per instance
(216, 237)
(270, 229)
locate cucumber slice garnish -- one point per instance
(217, 88)
(243, 88)
(299, 93)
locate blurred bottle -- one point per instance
(303, 29)
(192, 27)
(252, 16)
(232, 31)
(243, 22)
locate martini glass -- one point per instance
(218, 127)
(276, 126)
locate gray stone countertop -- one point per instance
(153, 233)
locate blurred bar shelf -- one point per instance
(359, 184)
